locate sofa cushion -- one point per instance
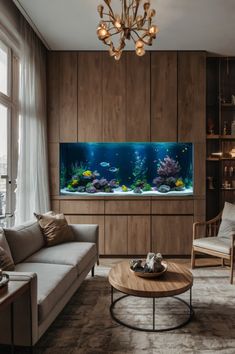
(54, 228)
(4, 245)
(5, 261)
(219, 244)
(77, 254)
(53, 281)
(227, 226)
(24, 240)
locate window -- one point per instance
(4, 69)
(8, 132)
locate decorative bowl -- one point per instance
(143, 274)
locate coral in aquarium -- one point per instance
(168, 170)
(168, 167)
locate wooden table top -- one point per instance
(13, 289)
(176, 280)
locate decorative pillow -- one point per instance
(5, 261)
(4, 245)
(55, 228)
(227, 226)
(24, 240)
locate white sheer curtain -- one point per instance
(32, 194)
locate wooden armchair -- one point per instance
(222, 247)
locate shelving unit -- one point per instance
(220, 113)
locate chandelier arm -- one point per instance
(110, 9)
(141, 38)
(136, 10)
(109, 15)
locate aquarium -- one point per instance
(121, 169)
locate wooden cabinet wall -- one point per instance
(164, 96)
(159, 97)
(191, 96)
(136, 227)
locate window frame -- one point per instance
(11, 102)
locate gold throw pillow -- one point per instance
(55, 228)
(5, 261)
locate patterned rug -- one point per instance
(85, 325)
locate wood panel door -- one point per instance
(53, 86)
(191, 96)
(68, 96)
(137, 97)
(114, 98)
(164, 96)
(139, 235)
(116, 235)
(90, 120)
(172, 235)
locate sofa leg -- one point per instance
(93, 271)
(98, 262)
(193, 259)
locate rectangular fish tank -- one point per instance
(126, 169)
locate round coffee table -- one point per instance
(177, 280)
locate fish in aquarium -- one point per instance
(126, 168)
(113, 169)
(105, 164)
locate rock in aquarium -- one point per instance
(164, 188)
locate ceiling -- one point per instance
(184, 24)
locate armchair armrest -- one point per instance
(210, 227)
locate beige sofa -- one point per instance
(55, 273)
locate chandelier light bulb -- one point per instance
(139, 44)
(146, 6)
(103, 33)
(140, 51)
(153, 30)
(133, 23)
(117, 22)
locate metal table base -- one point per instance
(188, 318)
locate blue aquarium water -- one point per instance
(126, 169)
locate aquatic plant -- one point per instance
(77, 170)
(168, 167)
(63, 176)
(74, 183)
(147, 187)
(140, 170)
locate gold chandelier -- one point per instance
(128, 25)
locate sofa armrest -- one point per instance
(26, 332)
(85, 232)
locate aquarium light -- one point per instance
(128, 25)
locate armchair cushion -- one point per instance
(218, 244)
(227, 226)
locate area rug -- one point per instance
(85, 325)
